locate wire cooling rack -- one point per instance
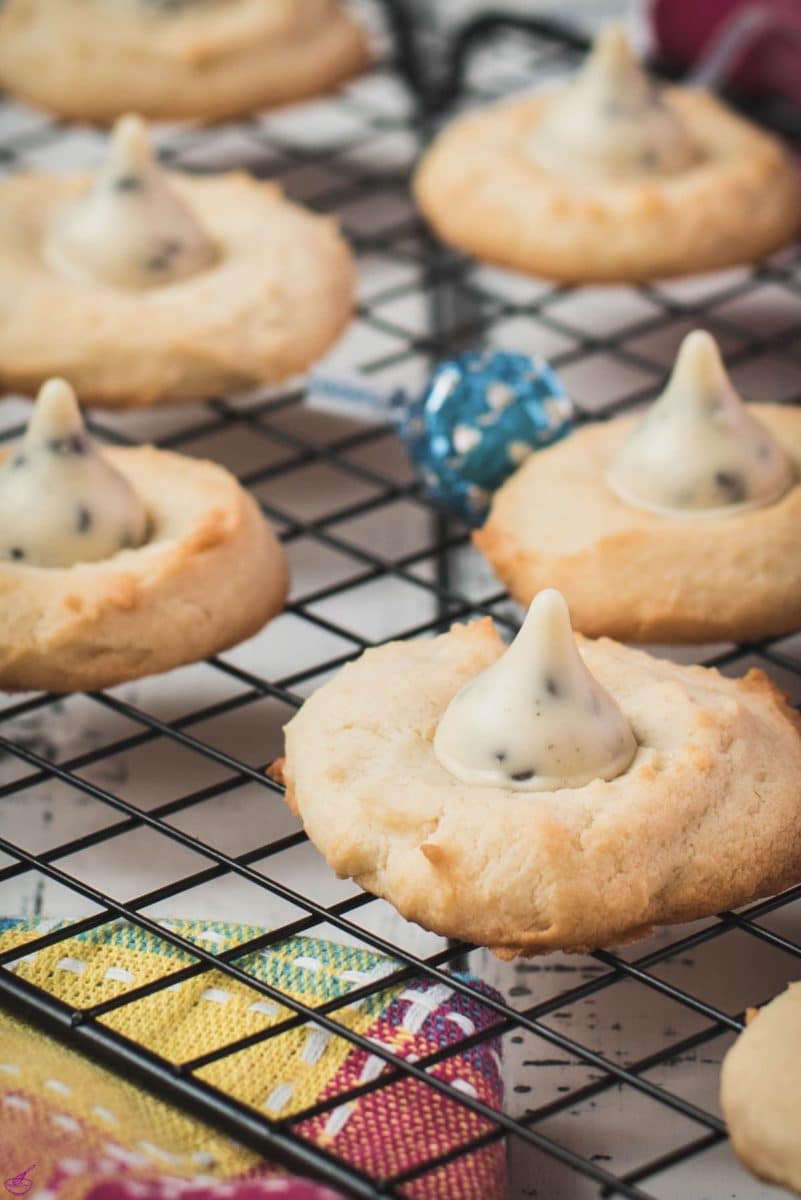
(151, 800)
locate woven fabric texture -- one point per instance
(58, 1108)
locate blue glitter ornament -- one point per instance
(481, 415)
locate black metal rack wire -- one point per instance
(754, 312)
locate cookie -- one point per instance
(585, 794)
(145, 287)
(206, 59)
(759, 1088)
(117, 563)
(679, 527)
(610, 179)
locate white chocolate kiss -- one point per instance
(536, 720)
(61, 502)
(130, 230)
(611, 121)
(698, 451)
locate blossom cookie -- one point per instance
(610, 178)
(207, 59)
(144, 287)
(676, 526)
(759, 1083)
(122, 562)
(561, 793)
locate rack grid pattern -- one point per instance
(344, 500)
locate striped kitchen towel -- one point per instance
(95, 1136)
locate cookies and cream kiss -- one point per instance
(536, 720)
(698, 451)
(612, 121)
(131, 229)
(61, 501)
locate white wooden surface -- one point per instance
(625, 1022)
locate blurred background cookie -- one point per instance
(610, 178)
(209, 59)
(144, 287)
